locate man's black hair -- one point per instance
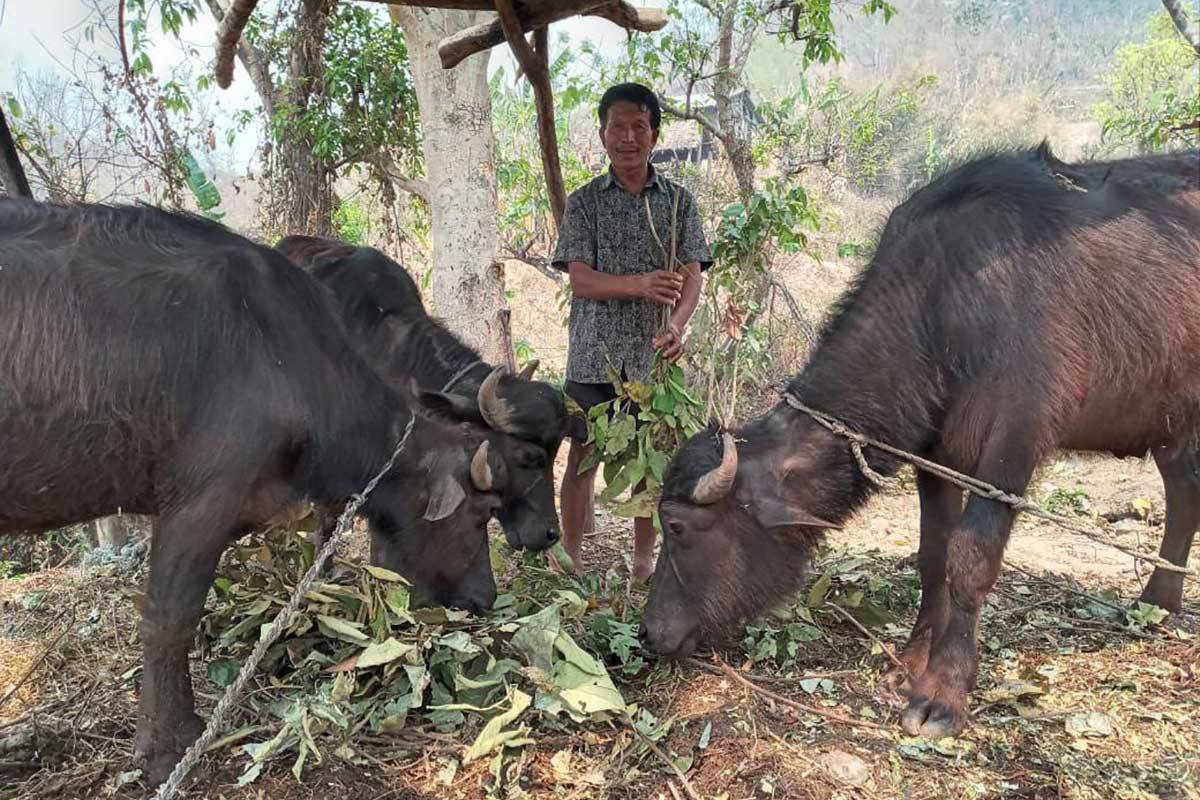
(634, 93)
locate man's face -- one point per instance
(627, 135)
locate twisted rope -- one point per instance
(974, 485)
(196, 751)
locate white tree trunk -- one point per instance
(456, 131)
(113, 532)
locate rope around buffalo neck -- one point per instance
(196, 751)
(462, 373)
(962, 481)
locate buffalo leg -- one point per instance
(941, 508)
(1181, 483)
(187, 546)
(937, 705)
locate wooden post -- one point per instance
(11, 171)
(536, 64)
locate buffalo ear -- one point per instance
(454, 407)
(775, 514)
(445, 496)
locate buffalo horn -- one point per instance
(527, 371)
(717, 483)
(494, 410)
(481, 470)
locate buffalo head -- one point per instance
(732, 544)
(525, 420)
(429, 523)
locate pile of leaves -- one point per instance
(357, 659)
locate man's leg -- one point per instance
(643, 548)
(575, 498)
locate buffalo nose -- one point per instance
(552, 535)
(642, 632)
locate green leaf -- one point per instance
(536, 636)
(640, 507)
(383, 574)
(223, 671)
(582, 682)
(705, 736)
(14, 107)
(816, 595)
(341, 629)
(493, 734)
(384, 652)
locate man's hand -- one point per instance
(660, 287)
(670, 343)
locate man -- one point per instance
(620, 282)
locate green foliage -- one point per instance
(636, 433)
(351, 222)
(1068, 501)
(843, 584)
(356, 656)
(1153, 91)
(366, 101)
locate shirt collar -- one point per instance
(653, 179)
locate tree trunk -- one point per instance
(300, 198)
(113, 532)
(304, 181)
(733, 139)
(456, 133)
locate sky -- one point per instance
(33, 35)
(36, 35)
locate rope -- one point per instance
(462, 373)
(970, 484)
(196, 751)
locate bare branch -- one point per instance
(706, 123)
(540, 263)
(1179, 17)
(414, 186)
(533, 15)
(229, 33)
(254, 61)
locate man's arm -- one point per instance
(664, 288)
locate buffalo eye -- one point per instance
(675, 528)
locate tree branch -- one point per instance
(536, 65)
(1179, 17)
(696, 116)
(414, 186)
(540, 263)
(534, 14)
(229, 33)
(253, 60)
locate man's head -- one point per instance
(629, 121)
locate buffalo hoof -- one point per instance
(1169, 598)
(157, 756)
(931, 719)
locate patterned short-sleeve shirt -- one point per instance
(605, 226)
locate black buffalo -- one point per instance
(1014, 306)
(160, 364)
(525, 420)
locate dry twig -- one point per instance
(820, 712)
(37, 662)
(887, 650)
